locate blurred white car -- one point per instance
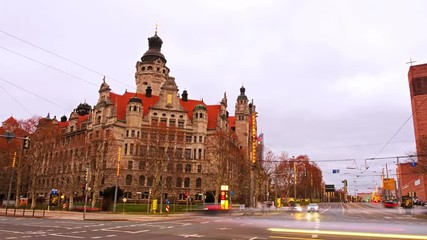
(313, 207)
(297, 208)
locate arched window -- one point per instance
(141, 181)
(169, 182)
(170, 167)
(198, 183)
(179, 182)
(150, 181)
(98, 120)
(179, 167)
(129, 180)
(187, 182)
(188, 168)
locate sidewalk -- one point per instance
(89, 216)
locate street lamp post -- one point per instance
(117, 178)
(295, 182)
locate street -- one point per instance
(334, 221)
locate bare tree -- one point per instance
(40, 156)
(226, 162)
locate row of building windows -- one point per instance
(169, 183)
(132, 149)
(142, 165)
(150, 68)
(164, 137)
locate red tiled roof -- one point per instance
(232, 121)
(189, 106)
(11, 121)
(213, 112)
(80, 120)
(63, 124)
(122, 100)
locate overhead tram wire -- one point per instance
(64, 58)
(412, 114)
(27, 91)
(49, 66)
(16, 100)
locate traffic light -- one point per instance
(26, 143)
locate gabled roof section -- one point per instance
(121, 102)
(11, 121)
(189, 106)
(213, 113)
(231, 121)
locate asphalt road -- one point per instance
(334, 221)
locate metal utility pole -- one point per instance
(117, 177)
(399, 179)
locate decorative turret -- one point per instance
(104, 93)
(134, 112)
(83, 109)
(242, 119)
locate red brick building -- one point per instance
(413, 178)
(412, 182)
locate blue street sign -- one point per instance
(335, 171)
(413, 164)
(232, 193)
(54, 191)
(167, 201)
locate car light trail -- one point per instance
(354, 234)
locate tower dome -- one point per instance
(154, 50)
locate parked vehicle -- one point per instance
(390, 204)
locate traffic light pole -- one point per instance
(9, 193)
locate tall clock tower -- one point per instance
(151, 70)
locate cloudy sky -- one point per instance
(329, 78)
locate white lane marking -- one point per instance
(68, 236)
(223, 228)
(192, 235)
(10, 231)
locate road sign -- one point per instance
(167, 208)
(329, 188)
(125, 199)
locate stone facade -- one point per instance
(154, 141)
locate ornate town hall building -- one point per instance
(155, 142)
